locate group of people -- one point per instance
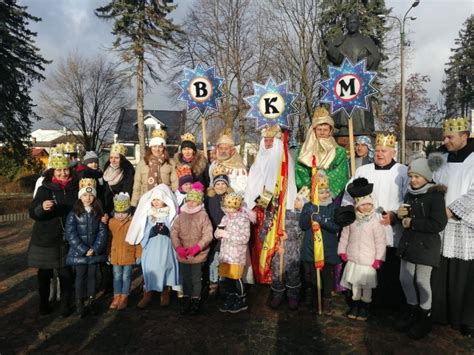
(405, 231)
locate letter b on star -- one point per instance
(200, 89)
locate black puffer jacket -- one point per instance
(421, 243)
(85, 232)
(125, 185)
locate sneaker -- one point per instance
(363, 313)
(228, 301)
(239, 306)
(354, 311)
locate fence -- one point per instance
(14, 217)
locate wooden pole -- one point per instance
(318, 290)
(282, 261)
(351, 145)
(204, 136)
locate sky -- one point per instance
(70, 25)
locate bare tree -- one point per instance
(86, 95)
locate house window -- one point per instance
(130, 151)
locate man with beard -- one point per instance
(453, 282)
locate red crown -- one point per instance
(184, 170)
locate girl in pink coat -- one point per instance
(362, 246)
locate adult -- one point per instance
(189, 155)
(390, 181)
(227, 156)
(453, 282)
(47, 249)
(364, 151)
(355, 46)
(118, 173)
(330, 157)
(155, 168)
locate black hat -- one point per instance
(360, 187)
(344, 216)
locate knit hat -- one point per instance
(158, 137)
(420, 167)
(121, 202)
(188, 140)
(360, 190)
(185, 175)
(196, 193)
(90, 157)
(87, 185)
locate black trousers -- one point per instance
(327, 277)
(65, 281)
(191, 277)
(85, 280)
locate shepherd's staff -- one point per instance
(204, 135)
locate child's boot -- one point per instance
(228, 300)
(123, 302)
(354, 311)
(406, 319)
(277, 298)
(422, 325)
(115, 301)
(146, 299)
(363, 313)
(239, 305)
(165, 297)
(91, 306)
(195, 306)
(185, 305)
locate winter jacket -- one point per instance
(214, 210)
(421, 243)
(191, 229)
(120, 252)
(198, 166)
(329, 230)
(140, 185)
(85, 232)
(124, 185)
(363, 241)
(237, 234)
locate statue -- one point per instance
(355, 46)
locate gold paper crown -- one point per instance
(87, 182)
(386, 140)
(194, 195)
(160, 133)
(188, 137)
(219, 170)
(323, 182)
(56, 151)
(184, 170)
(232, 200)
(58, 161)
(456, 124)
(320, 112)
(68, 147)
(121, 202)
(272, 132)
(118, 148)
(321, 116)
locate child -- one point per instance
(191, 235)
(87, 238)
(362, 246)
(185, 181)
(213, 203)
(150, 227)
(234, 233)
(423, 217)
(122, 255)
(324, 216)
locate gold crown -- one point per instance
(320, 112)
(456, 124)
(323, 182)
(121, 202)
(87, 182)
(58, 161)
(272, 132)
(386, 140)
(118, 148)
(304, 192)
(232, 200)
(184, 170)
(159, 133)
(194, 195)
(219, 170)
(69, 148)
(188, 137)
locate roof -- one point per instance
(48, 135)
(174, 122)
(36, 152)
(424, 134)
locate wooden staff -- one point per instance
(282, 253)
(351, 145)
(204, 136)
(318, 287)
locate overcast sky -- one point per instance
(69, 25)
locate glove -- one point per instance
(161, 228)
(377, 264)
(402, 212)
(406, 222)
(132, 210)
(182, 252)
(194, 250)
(343, 257)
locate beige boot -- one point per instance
(123, 302)
(115, 302)
(146, 299)
(165, 297)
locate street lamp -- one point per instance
(401, 23)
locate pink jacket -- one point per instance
(363, 242)
(235, 238)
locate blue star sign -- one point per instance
(201, 89)
(272, 104)
(349, 86)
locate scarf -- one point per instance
(191, 210)
(421, 190)
(158, 213)
(323, 148)
(188, 160)
(62, 183)
(113, 175)
(235, 162)
(154, 174)
(364, 217)
(325, 203)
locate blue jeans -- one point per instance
(122, 279)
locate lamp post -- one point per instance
(401, 23)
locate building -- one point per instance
(419, 138)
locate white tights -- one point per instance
(362, 293)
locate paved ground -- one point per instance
(259, 330)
